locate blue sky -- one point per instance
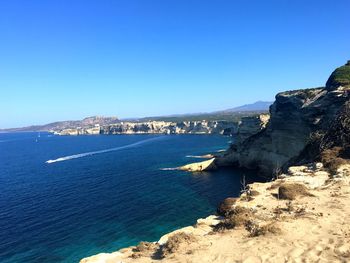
(71, 59)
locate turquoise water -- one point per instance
(101, 193)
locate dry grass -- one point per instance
(174, 243)
(296, 211)
(248, 195)
(331, 159)
(256, 230)
(335, 164)
(253, 193)
(274, 186)
(289, 191)
(226, 206)
(237, 217)
(144, 249)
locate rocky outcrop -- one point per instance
(295, 117)
(199, 166)
(162, 127)
(251, 125)
(80, 131)
(247, 127)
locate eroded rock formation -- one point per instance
(158, 127)
(251, 125)
(296, 116)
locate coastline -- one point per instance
(307, 228)
(300, 216)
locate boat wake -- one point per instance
(80, 155)
(169, 169)
(206, 156)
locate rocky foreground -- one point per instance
(300, 217)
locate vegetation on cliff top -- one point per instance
(340, 77)
(234, 117)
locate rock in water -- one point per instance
(200, 166)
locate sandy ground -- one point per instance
(312, 228)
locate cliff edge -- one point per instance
(298, 119)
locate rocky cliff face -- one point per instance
(296, 116)
(249, 126)
(159, 127)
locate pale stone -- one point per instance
(200, 166)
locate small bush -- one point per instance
(226, 206)
(290, 191)
(237, 217)
(335, 164)
(253, 193)
(329, 154)
(248, 195)
(291, 209)
(174, 242)
(255, 229)
(273, 186)
(331, 158)
(144, 249)
(144, 246)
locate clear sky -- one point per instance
(70, 59)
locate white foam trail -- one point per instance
(80, 155)
(196, 156)
(206, 156)
(169, 169)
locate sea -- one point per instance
(63, 198)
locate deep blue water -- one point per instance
(100, 202)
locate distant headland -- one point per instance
(224, 122)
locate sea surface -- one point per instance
(63, 198)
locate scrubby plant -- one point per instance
(144, 246)
(331, 159)
(237, 217)
(249, 194)
(144, 249)
(226, 206)
(256, 230)
(174, 242)
(253, 193)
(289, 191)
(289, 207)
